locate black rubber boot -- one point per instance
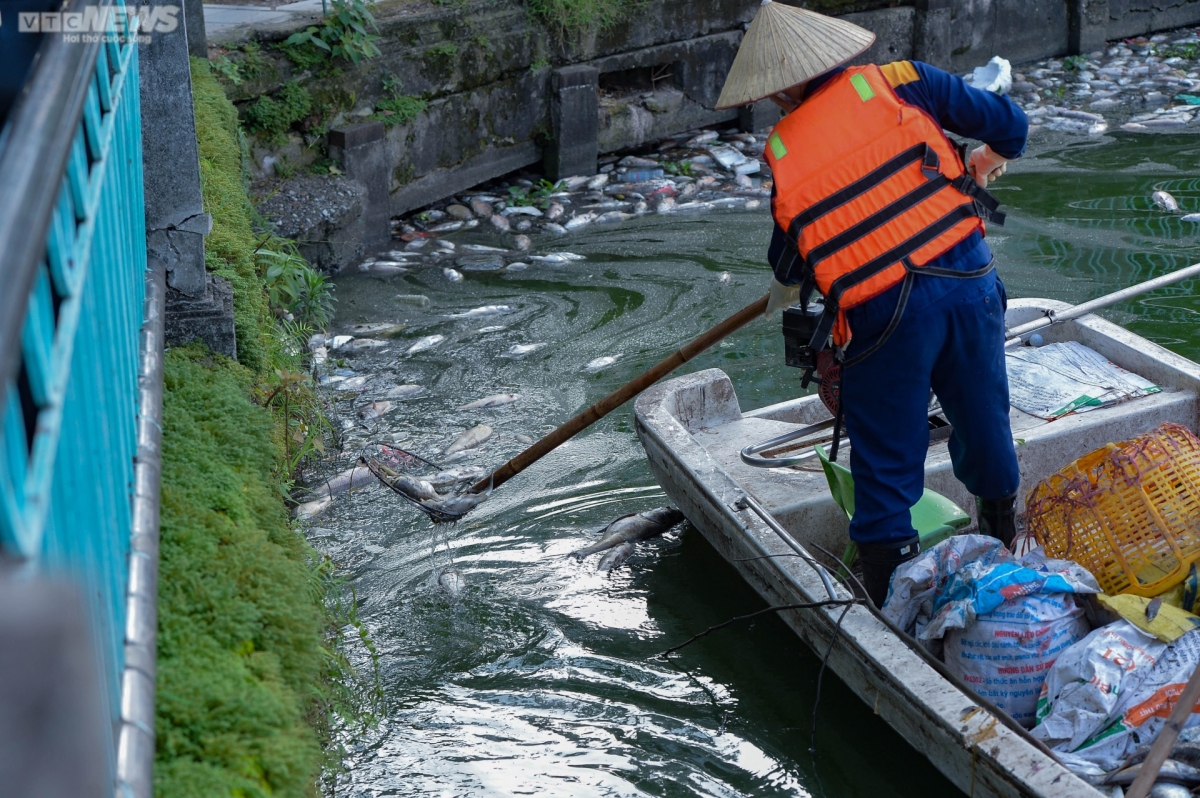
(879, 561)
(998, 518)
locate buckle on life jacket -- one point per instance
(986, 204)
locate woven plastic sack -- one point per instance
(1128, 512)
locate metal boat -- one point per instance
(772, 524)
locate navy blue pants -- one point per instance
(954, 345)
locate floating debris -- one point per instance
(495, 400)
(470, 439)
(422, 344)
(600, 363)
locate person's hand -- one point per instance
(985, 165)
(782, 296)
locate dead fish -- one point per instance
(452, 581)
(428, 342)
(725, 278)
(374, 410)
(486, 310)
(575, 222)
(453, 275)
(1191, 217)
(1167, 790)
(1165, 201)
(380, 269)
(557, 229)
(495, 400)
(557, 257)
(616, 557)
(1173, 772)
(420, 300)
(459, 505)
(405, 392)
(309, 509)
(521, 350)
(383, 329)
(473, 437)
(350, 384)
(1153, 607)
(361, 344)
(599, 363)
(481, 248)
(516, 266)
(491, 328)
(1185, 751)
(632, 528)
(338, 341)
(525, 439)
(417, 489)
(349, 479)
(453, 476)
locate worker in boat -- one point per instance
(875, 209)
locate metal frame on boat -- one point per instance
(693, 430)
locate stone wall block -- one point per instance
(1087, 25)
(362, 152)
(574, 122)
(757, 117)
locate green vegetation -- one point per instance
(343, 33)
(271, 117)
(538, 195)
(538, 64)
(1074, 63)
(251, 663)
(396, 108)
(682, 168)
(440, 57)
(573, 18)
(1188, 52)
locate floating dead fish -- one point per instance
(405, 392)
(1173, 772)
(382, 329)
(495, 400)
(613, 216)
(428, 342)
(338, 341)
(1191, 217)
(312, 508)
(702, 138)
(458, 506)
(320, 355)
(386, 270)
(374, 410)
(598, 182)
(349, 479)
(632, 528)
(491, 328)
(455, 476)
(521, 210)
(481, 248)
(521, 350)
(453, 275)
(446, 245)
(557, 229)
(557, 257)
(452, 581)
(446, 227)
(725, 278)
(486, 310)
(599, 363)
(361, 344)
(351, 384)
(1165, 201)
(524, 439)
(575, 222)
(419, 300)
(616, 557)
(516, 266)
(473, 437)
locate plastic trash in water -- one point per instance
(995, 75)
(639, 175)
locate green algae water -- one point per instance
(541, 677)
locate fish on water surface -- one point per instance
(309, 509)
(486, 310)
(383, 329)
(338, 341)
(473, 437)
(452, 581)
(453, 275)
(349, 479)
(525, 439)
(374, 410)
(459, 505)
(417, 489)
(1165, 201)
(725, 278)
(615, 557)
(557, 257)
(405, 391)
(632, 528)
(521, 350)
(495, 400)
(454, 476)
(428, 342)
(491, 328)
(599, 363)
(351, 384)
(1191, 217)
(360, 344)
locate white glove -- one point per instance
(985, 165)
(782, 296)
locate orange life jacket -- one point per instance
(869, 190)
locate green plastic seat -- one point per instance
(933, 516)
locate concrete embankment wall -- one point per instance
(502, 92)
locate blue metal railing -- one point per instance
(72, 289)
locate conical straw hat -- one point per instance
(786, 45)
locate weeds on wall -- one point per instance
(395, 108)
(294, 288)
(345, 33)
(272, 116)
(574, 18)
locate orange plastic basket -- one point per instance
(1129, 512)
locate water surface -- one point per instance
(542, 677)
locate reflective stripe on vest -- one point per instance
(865, 184)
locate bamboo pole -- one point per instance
(620, 396)
(1166, 738)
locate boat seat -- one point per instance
(933, 516)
